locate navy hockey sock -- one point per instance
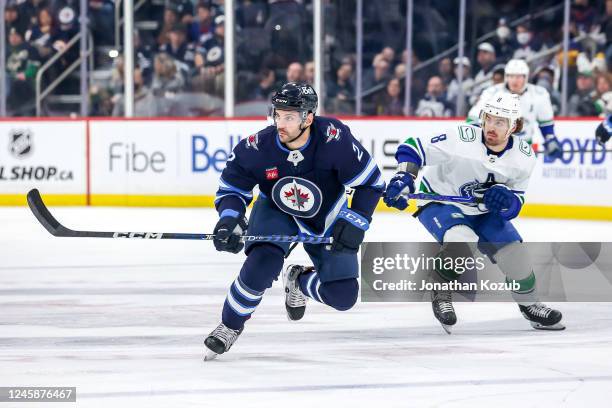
(260, 269)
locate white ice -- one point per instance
(124, 321)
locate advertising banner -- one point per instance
(50, 156)
(161, 162)
(178, 162)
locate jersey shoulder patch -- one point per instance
(252, 141)
(525, 148)
(331, 129)
(468, 133)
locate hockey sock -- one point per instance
(340, 294)
(514, 261)
(261, 267)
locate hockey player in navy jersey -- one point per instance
(473, 161)
(604, 130)
(302, 165)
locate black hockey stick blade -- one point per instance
(42, 214)
(55, 228)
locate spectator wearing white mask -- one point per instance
(504, 42)
(528, 43)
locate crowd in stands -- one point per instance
(179, 65)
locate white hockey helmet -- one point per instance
(517, 67)
(505, 105)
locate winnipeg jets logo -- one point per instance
(332, 133)
(252, 141)
(297, 196)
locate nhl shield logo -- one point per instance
(20, 143)
(297, 196)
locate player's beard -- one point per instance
(493, 138)
(289, 138)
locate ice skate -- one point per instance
(220, 340)
(295, 300)
(442, 305)
(542, 317)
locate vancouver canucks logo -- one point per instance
(297, 196)
(468, 189)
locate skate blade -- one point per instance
(554, 327)
(210, 355)
(447, 328)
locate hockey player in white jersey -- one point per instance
(536, 108)
(472, 161)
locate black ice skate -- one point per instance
(295, 300)
(542, 317)
(220, 340)
(442, 305)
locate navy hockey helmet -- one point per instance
(297, 96)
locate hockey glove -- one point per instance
(349, 231)
(229, 230)
(501, 200)
(401, 183)
(604, 131)
(552, 147)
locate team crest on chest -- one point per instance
(297, 196)
(332, 133)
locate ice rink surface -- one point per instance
(124, 322)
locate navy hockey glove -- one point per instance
(349, 231)
(401, 183)
(604, 131)
(552, 147)
(229, 230)
(501, 200)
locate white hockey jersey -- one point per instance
(536, 109)
(457, 162)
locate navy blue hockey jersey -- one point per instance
(309, 183)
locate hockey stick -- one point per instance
(443, 198)
(55, 228)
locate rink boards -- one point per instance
(177, 162)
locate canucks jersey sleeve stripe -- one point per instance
(427, 185)
(409, 152)
(422, 152)
(364, 175)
